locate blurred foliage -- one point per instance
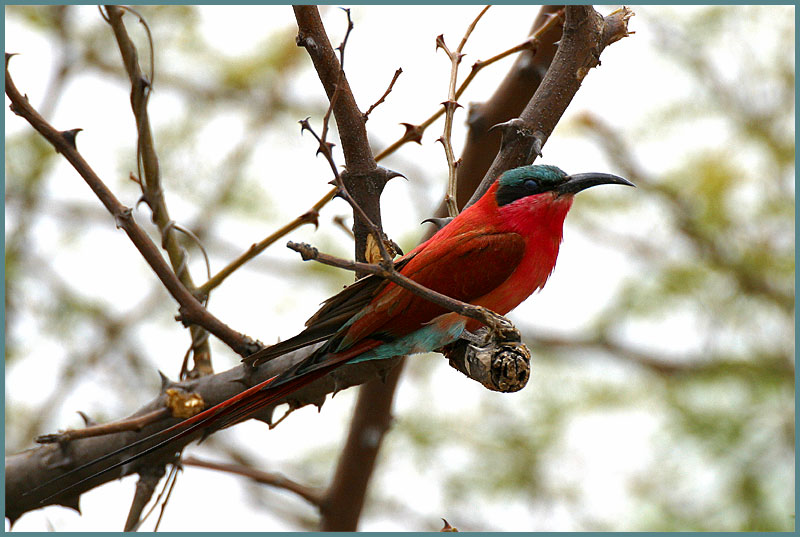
(713, 242)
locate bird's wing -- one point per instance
(334, 313)
(465, 267)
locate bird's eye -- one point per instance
(531, 184)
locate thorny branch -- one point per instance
(342, 192)
(450, 106)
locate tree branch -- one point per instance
(310, 494)
(586, 34)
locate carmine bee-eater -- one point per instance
(494, 254)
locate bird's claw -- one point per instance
(500, 328)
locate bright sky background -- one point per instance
(621, 91)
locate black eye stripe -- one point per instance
(510, 193)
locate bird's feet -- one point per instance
(500, 329)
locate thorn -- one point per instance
(87, 421)
(270, 413)
(438, 222)
(391, 174)
(304, 125)
(413, 133)
(126, 214)
(312, 217)
(70, 136)
(395, 247)
(72, 502)
(556, 43)
(337, 386)
(325, 145)
(165, 382)
(142, 199)
(451, 104)
(440, 41)
(447, 526)
(536, 148)
(10, 55)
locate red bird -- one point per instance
(494, 254)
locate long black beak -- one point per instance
(581, 181)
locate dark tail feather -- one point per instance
(221, 415)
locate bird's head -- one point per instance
(537, 179)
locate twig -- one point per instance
(414, 132)
(385, 93)
(128, 424)
(340, 222)
(191, 311)
(343, 192)
(449, 113)
(450, 106)
(496, 322)
(311, 494)
(352, 132)
(169, 486)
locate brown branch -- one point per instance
(310, 494)
(450, 106)
(150, 177)
(145, 487)
(191, 311)
(344, 192)
(586, 33)
(130, 424)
